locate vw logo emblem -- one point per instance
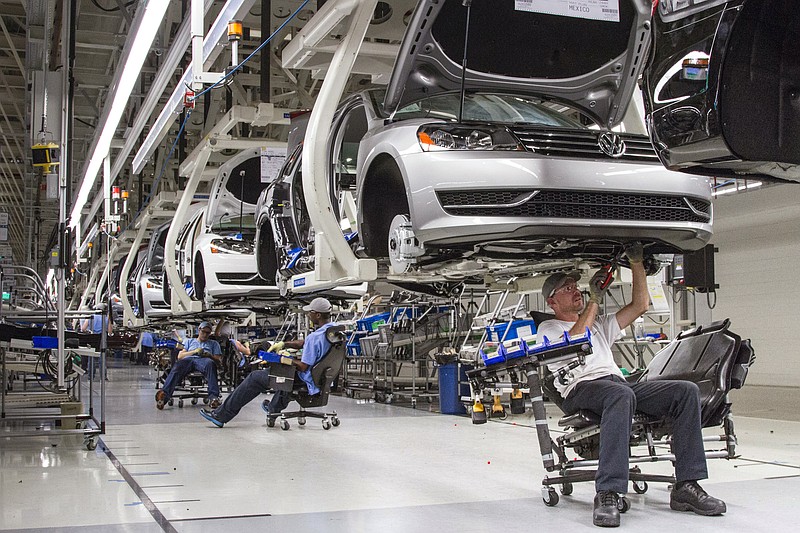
(611, 144)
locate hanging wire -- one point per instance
(708, 299)
(154, 186)
(245, 60)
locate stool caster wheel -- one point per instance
(285, 425)
(171, 402)
(623, 504)
(194, 401)
(180, 404)
(335, 421)
(301, 421)
(566, 488)
(640, 487)
(270, 422)
(326, 424)
(549, 496)
(90, 444)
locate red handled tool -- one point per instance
(608, 270)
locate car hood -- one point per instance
(591, 60)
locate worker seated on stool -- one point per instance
(314, 347)
(598, 386)
(198, 355)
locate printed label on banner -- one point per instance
(605, 10)
(271, 162)
(299, 282)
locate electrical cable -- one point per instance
(154, 186)
(245, 60)
(111, 9)
(708, 299)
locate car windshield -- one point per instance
(486, 107)
(227, 224)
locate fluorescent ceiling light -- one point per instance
(140, 46)
(233, 9)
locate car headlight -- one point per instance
(437, 137)
(231, 246)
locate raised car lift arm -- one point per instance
(194, 168)
(335, 263)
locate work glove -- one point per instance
(275, 347)
(634, 252)
(286, 360)
(596, 289)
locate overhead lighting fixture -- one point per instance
(146, 29)
(233, 9)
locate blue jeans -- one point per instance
(253, 385)
(616, 401)
(183, 367)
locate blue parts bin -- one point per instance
(516, 329)
(45, 342)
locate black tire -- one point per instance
(139, 304)
(199, 279)
(166, 292)
(640, 487)
(383, 198)
(566, 488)
(266, 253)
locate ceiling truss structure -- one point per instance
(30, 43)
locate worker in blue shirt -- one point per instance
(315, 347)
(148, 341)
(95, 325)
(198, 355)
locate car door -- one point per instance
(722, 87)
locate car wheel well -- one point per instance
(266, 255)
(139, 303)
(383, 196)
(199, 277)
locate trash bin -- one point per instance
(449, 391)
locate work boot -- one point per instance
(606, 509)
(689, 496)
(161, 399)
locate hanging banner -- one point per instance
(271, 162)
(3, 227)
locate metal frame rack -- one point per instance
(18, 409)
(392, 360)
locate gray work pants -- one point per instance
(616, 401)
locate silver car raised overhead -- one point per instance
(525, 161)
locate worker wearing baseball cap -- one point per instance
(599, 386)
(198, 355)
(315, 346)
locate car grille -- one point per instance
(582, 144)
(243, 278)
(575, 204)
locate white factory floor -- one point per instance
(386, 468)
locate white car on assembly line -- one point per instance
(216, 247)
